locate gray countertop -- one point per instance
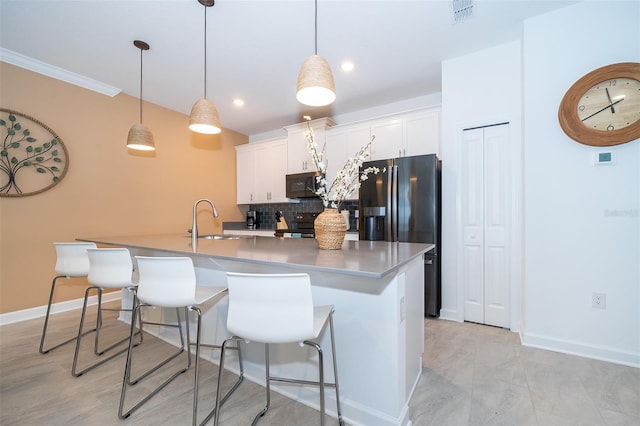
(373, 259)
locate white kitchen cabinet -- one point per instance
(344, 142)
(422, 133)
(270, 166)
(245, 158)
(403, 135)
(261, 169)
(389, 139)
(298, 157)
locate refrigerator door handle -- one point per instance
(394, 204)
(388, 234)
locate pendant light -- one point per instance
(204, 114)
(140, 137)
(315, 80)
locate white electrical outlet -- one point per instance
(599, 300)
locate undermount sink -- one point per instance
(218, 237)
(222, 237)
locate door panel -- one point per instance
(485, 181)
(473, 283)
(472, 221)
(497, 178)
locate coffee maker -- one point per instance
(252, 219)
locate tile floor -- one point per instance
(473, 375)
(481, 375)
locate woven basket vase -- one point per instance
(330, 228)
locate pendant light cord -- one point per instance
(141, 86)
(205, 51)
(316, 27)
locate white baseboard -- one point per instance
(41, 311)
(449, 315)
(570, 347)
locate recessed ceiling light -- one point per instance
(238, 102)
(347, 66)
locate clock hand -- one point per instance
(602, 109)
(613, 110)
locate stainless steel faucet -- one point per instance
(194, 223)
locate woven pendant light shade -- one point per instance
(315, 82)
(204, 118)
(140, 138)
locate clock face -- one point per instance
(610, 105)
(602, 108)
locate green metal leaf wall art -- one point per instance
(32, 157)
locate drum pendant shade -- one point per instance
(140, 137)
(315, 82)
(204, 116)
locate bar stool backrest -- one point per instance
(72, 258)
(110, 267)
(166, 281)
(270, 308)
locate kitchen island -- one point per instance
(377, 289)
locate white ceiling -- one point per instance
(255, 48)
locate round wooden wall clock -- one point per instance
(32, 157)
(603, 107)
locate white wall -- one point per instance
(580, 222)
(576, 243)
(479, 89)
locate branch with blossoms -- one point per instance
(348, 179)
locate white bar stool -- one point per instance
(72, 262)
(278, 308)
(109, 268)
(170, 282)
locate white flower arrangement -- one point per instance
(348, 178)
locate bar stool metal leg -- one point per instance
(74, 366)
(335, 370)
(220, 401)
(41, 349)
(126, 382)
(267, 384)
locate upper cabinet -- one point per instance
(422, 132)
(261, 169)
(298, 157)
(415, 133)
(389, 141)
(344, 142)
(262, 166)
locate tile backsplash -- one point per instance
(267, 212)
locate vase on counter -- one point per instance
(330, 228)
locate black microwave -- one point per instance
(302, 185)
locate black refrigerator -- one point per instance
(402, 203)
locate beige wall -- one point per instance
(107, 190)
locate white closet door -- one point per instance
(496, 185)
(485, 185)
(473, 220)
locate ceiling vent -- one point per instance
(462, 10)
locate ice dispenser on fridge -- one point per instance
(373, 218)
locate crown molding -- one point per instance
(43, 68)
